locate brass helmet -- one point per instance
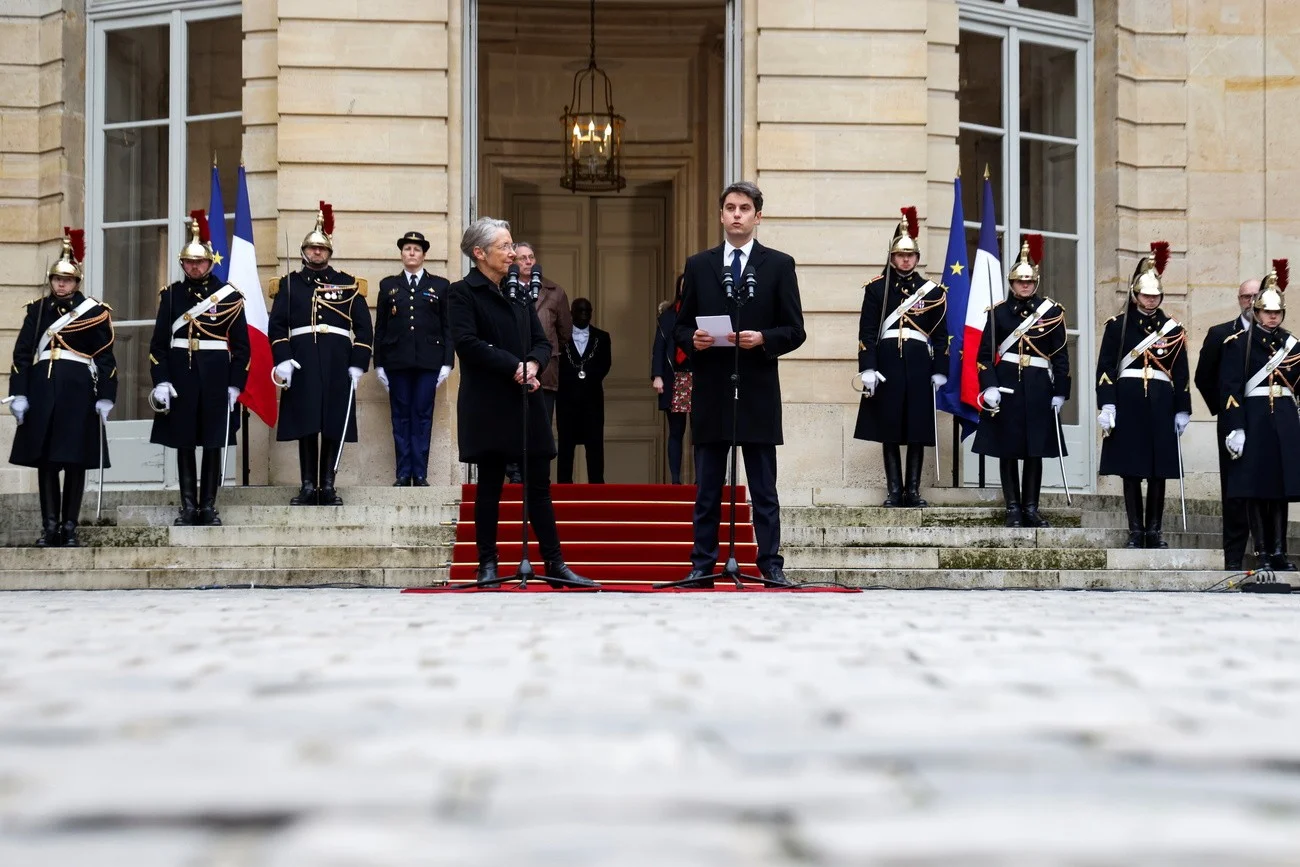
(71, 254)
(905, 234)
(1026, 267)
(320, 236)
(1146, 277)
(1272, 287)
(199, 245)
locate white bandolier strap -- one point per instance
(1023, 328)
(195, 311)
(59, 353)
(58, 324)
(1270, 391)
(914, 298)
(1269, 366)
(196, 345)
(320, 329)
(1147, 373)
(1138, 351)
(907, 334)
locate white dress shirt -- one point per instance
(729, 252)
(418, 275)
(580, 338)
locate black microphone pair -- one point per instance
(516, 291)
(749, 282)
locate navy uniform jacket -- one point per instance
(1267, 468)
(60, 428)
(317, 402)
(200, 414)
(412, 328)
(902, 409)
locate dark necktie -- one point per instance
(735, 267)
(415, 281)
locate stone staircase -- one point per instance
(400, 537)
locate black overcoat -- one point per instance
(580, 403)
(776, 311)
(1025, 425)
(902, 408)
(317, 401)
(663, 357)
(1207, 378)
(200, 413)
(412, 328)
(60, 428)
(1267, 468)
(492, 335)
(1144, 442)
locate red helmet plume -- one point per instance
(327, 224)
(1160, 255)
(205, 232)
(77, 238)
(1283, 273)
(1035, 242)
(913, 226)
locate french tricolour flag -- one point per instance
(259, 394)
(986, 288)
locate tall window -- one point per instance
(164, 102)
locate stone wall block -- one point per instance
(799, 100)
(821, 53)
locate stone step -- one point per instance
(191, 578)
(233, 557)
(397, 515)
(1000, 558)
(977, 537)
(934, 516)
(326, 534)
(1018, 579)
(989, 496)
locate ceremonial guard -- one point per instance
(413, 355)
(1144, 391)
(1258, 380)
(63, 376)
(198, 358)
(903, 358)
(1024, 371)
(321, 336)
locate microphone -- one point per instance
(535, 283)
(512, 282)
(728, 284)
(751, 283)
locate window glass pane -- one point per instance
(131, 351)
(1048, 193)
(135, 174)
(135, 266)
(136, 74)
(979, 88)
(1059, 276)
(1070, 412)
(208, 138)
(214, 78)
(1047, 89)
(1060, 7)
(978, 151)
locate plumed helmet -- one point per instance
(71, 254)
(320, 236)
(1026, 266)
(1271, 297)
(199, 246)
(1146, 277)
(905, 234)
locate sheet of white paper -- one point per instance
(717, 326)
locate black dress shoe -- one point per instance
(328, 497)
(1280, 563)
(699, 578)
(1232, 566)
(402, 482)
(1014, 517)
(420, 482)
(186, 518)
(893, 500)
(306, 495)
(208, 516)
(776, 575)
(1155, 540)
(1136, 540)
(913, 500)
(1032, 518)
(487, 572)
(571, 578)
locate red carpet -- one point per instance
(627, 537)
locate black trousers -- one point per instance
(711, 465)
(541, 514)
(1236, 527)
(595, 451)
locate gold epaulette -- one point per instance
(1233, 336)
(162, 290)
(363, 287)
(862, 347)
(874, 279)
(103, 304)
(273, 286)
(1113, 318)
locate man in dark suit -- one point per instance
(580, 404)
(766, 328)
(413, 355)
(1236, 530)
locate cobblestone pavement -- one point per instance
(331, 728)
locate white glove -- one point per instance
(938, 380)
(1106, 418)
(104, 407)
(284, 372)
(163, 393)
(443, 373)
(18, 406)
(355, 374)
(234, 396)
(869, 380)
(992, 398)
(1057, 403)
(1180, 421)
(1235, 442)
(383, 377)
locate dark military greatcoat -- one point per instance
(1025, 425)
(1267, 468)
(412, 328)
(912, 348)
(62, 382)
(327, 310)
(202, 357)
(1147, 389)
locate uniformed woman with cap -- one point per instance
(63, 376)
(1258, 380)
(1144, 391)
(199, 357)
(1024, 371)
(902, 359)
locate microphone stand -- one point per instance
(731, 570)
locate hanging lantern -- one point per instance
(593, 131)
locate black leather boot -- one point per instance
(912, 488)
(487, 574)
(210, 483)
(1155, 513)
(558, 569)
(74, 485)
(329, 452)
(1133, 510)
(1260, 531)
(893, 475)
(1009, 470)
(188, 477)
(1277, 560)
(308, 461)
(47, 480)
(1030, 489)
